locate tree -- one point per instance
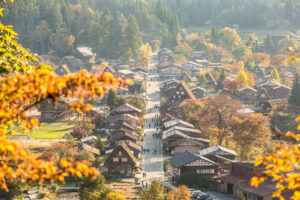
(88, 187)
(242, 79)
(269, 44)
(286, 43)
(79, 132)
(220, 83)
(19, 92)
(137, 102)
(252, 42)
(111, 99)
(100, 145)
(115, 38)
(230, 39)
(145, 54)
(62, 42)
(275, 75)
(282, 167)
(262, 59)
(278, 60)
(214, 116)
(41, 37)
(156, 191)
(202, 80)
(181, 193)
(133, 37)
(249, 131)
(294, 98)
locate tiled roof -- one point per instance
(216, 148)
(187, 157)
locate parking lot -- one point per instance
(198, 195)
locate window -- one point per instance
(122, 171)
(205, 171)
(124, 159)
(115, 159)
(120, 153)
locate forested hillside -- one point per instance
(61, 25)
(247, 13)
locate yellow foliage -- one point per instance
(283, 167)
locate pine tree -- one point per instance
(275, 75)
(112, 99)
(133, 37)
(294, 99)
(242, 79)
(202, 80)
(220, 84)
(102, 43)
(115, 38)
(269, 44)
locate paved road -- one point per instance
(152, 160)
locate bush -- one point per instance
(42, 194)
(78, 132)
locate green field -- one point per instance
(260, 33)
(48, 131)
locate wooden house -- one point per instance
(126, 109)
(169, 72)
(177, 122)
(246, 94)
(103, 67)
(123, 134)
(186, 143)
(133, 147)
(165, 57)
(237, 183)
(259, 71)
(188, 164)
(272, 90)
(210, 80)
(221, 155)
(181, 93)
(198, 92)
(69, 64)
(53, 111)
(114, 120)
(184, 76)
(121, 162)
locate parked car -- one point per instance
(202, 196)
(195, 193)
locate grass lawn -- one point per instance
(48, 131)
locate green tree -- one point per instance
(155, 191)
(112, 99)
(62, 42)
(294, 99)
(269, 44)
(242, 79)
(275, 75)
(202, 80)
(93, 189)
(41, 37)
(230, 39)
(221, 80)
(133, 37)
(115, 38)
(215, 35)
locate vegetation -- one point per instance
(295, 93)
(155, 191)
(282, 167)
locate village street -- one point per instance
(152, 157)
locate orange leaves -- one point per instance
(283, 168)
(31, 170)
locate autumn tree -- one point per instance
(242, 79)
(278, 60)
(294, 98)
(145, 54)
(230, 39)
(250, 130)
(214, 116)
(282, 168)
(261, 59)
(286, 43)
(155, 191)
(181, 193)
(62, 41)
(275, 75)
(19, 92)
